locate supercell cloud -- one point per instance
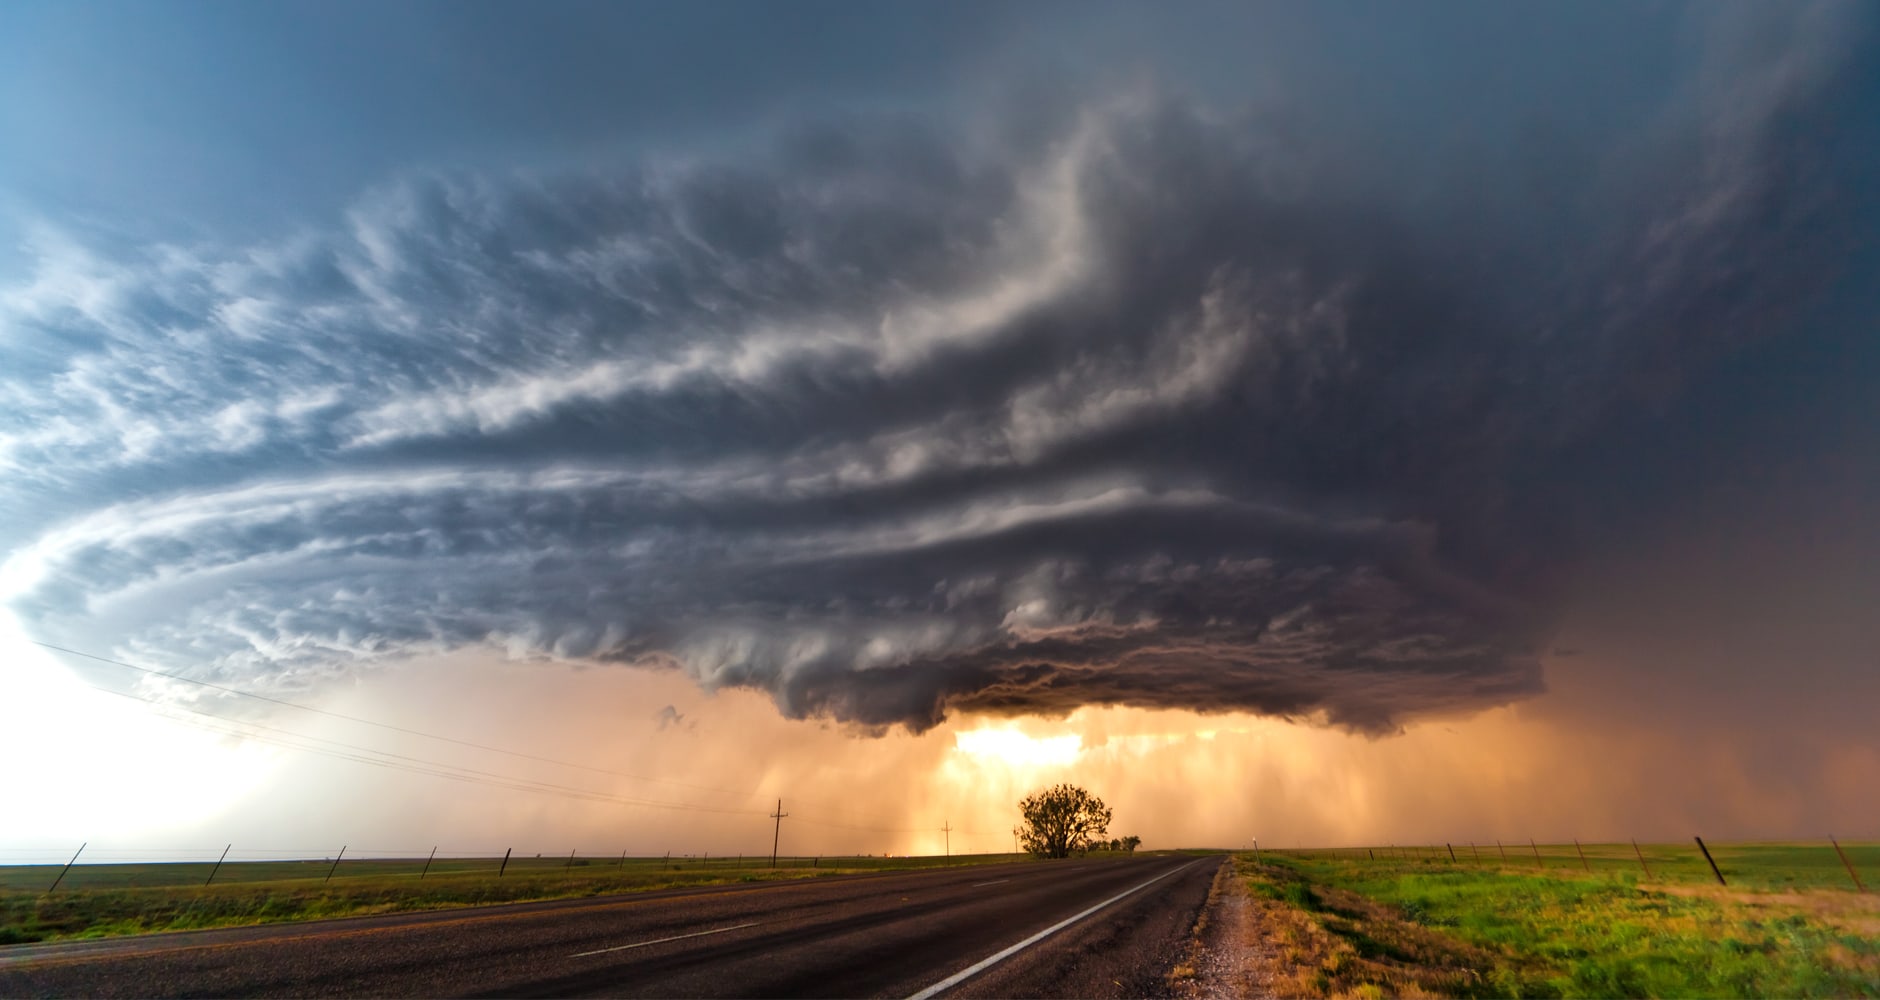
(1146, 399)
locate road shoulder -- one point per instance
(1228, 956)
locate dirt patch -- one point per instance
(1229, 956)
(1856, 912)
(1266, 932)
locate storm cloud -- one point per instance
(1135, 400)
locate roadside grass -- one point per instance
(111, 900)
(1419, 924)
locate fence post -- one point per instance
(1850, 865)
(1538, 863)
(505, 864)
(427, 863)
(217, 868)
(330, 871)
(1641, 858)
(67, 868)
(1452, 852)
(622, 863)
(570, 863)
(1583, 864)
(1714, 870)
(1503, 850)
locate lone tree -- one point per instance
(1062, 819)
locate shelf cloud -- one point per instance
(1136, 400)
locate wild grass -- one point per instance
(109, 900)
(1421, 924)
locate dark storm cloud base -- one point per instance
(1156, 406)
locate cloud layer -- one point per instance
(1145, 403)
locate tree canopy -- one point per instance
(1061, 819)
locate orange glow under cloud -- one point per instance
(1175, 778)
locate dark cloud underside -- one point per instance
(1162, 404)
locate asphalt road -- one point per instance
(897, 935)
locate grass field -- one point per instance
(1371, 922)
(114, 899)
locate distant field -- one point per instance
(1371, 922)
(113, 899)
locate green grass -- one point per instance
(109, 900)
(1785, 927)
(1759, 866)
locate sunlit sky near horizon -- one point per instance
(583, 425)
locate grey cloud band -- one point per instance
(1157, 407)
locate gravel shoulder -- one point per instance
(1230, 954)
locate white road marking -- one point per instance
(992, 960)
(676, 937)
(981, 885)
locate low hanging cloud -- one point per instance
(1162, 405)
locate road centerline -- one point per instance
(675, 937)
(994, 959)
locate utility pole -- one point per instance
(776, 834)
(948, 830)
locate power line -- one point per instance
(385, 725)
(419, 765)
(403, 762)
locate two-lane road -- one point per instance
(1072, 928)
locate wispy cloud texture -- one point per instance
(1147, 402)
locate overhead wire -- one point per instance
(403, 762)
(419, 765)
(171, 675)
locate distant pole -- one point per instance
(1538, 863)
(1714, 870)
(1849, 864)
(1583, 864)
(330, 871)
(622, 863)
(505, 865)
(570, 863)
(1256, 850)
(1503, 850)
(776, 833)
(218, 866)
(67, 868)
(948, 830)
(1641, 858)
(1372, 853)
(427, 863)
(1452, 852)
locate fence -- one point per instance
(1755, 865)
(40, 870)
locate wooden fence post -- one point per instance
(1714, 870)
(217, 868)
(67, 868)
(1641, 858)
(1850, 865)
